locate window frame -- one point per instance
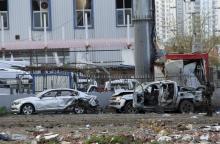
(8, 24)
(49, 28)
(124, 16)
(75, 16)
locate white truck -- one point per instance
(168, 96)
(150, 95)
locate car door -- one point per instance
(65, 98)
(167, 92)
(48, 101)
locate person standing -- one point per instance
(209, 89)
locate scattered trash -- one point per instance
(183, 127)
(47, 137)
(5, 137)
(211, 128)
(216, 128)
(187, 138)
(166, 115)
(104, 132)
(194, 117)
(176, 137)
(50, 136)
(163, 133)
(189, 127)
(18, 137)
(40, 129)
(164, 139)
(87, 126)
(204, 137)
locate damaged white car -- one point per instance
(168, 96)
(122, 101)
(56, 100)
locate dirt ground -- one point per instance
(77, 128)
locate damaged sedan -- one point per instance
(55, 100)
(166, 96)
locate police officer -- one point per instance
(208, 94)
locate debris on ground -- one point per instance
(92, 129)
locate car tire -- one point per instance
(129, 109)
(79, 110)
(79, 107)
(186, 106)
(27, 109)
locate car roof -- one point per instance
(63, 89)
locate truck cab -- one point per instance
(167, 94)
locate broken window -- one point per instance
(83, 7)
(4, 12)
(40, 8)
(123, 9)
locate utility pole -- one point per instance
(144, 27)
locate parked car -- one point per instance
(168, 96)
(122, 101)
(62, 99)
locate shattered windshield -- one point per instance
(141, 87)
(120, 85)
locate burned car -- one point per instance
(55, 100)
(166, 95)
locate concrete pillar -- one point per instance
(144, 27)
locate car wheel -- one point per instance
(79, 110)
(129, 108)
(186, 107)
(27, 109)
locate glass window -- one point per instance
(40, 8)
(66, 93)
(4, 12)
(83, 7)
(50, 94)
(123, 9)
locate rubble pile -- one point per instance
(162, 130)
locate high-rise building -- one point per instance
(197, 16)
(216, 15)
(165, 19)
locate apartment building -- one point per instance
(66, 27)
(165, 19)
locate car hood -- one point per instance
(122, 92)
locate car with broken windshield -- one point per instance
(167, 95)
(55, 100)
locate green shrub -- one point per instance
(3, 111)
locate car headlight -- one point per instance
(198, 98)
(16, 103)
(118, 98)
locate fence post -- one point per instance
(70, 80)
(33, 84)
